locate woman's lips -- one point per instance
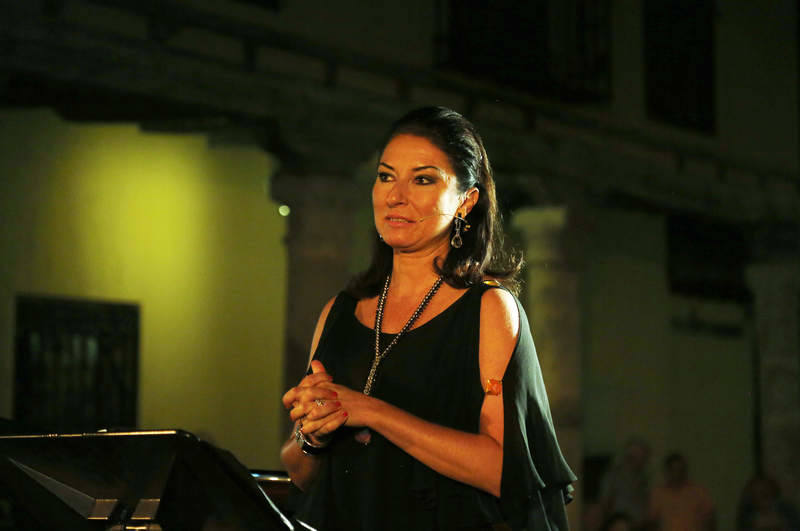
(398, 221)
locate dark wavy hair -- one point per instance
(482, 253)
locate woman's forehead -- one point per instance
(413, 151)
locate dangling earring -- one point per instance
(456, 240)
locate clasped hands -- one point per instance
(321, 406)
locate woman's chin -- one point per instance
(428, 248)
(398, 244)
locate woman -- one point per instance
(424, 407)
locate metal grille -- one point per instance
(76, 364)
(679, 62)
(557, 48)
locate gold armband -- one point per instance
(493, 387)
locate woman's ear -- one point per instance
(471, 197)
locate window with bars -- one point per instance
(679, 62)
(555, 48)
(273, 5)
(76, 364)
(707, 258)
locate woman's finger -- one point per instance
(314, 408)
(289, 398)
(310, 424)
(322, 408)
(298, 412)
(309, 394)
(333, 386)
(317, 367)
(316, 378)
(312, 380)
(324, 426)
(336, 421)
(306, 401)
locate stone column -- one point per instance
(318, 243)
(776, 291)
(551, 301)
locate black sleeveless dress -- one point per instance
(432, 372)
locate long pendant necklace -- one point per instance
(363, 436)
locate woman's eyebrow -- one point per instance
(418, 168)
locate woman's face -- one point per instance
(415, 195)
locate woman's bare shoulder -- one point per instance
(499, 307)
(499, 328)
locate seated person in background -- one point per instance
(618, 522)
(762, 509)
(680, 504)
(625, 488)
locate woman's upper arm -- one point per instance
(499, 330)
(323, 316)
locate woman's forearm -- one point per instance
(302, 468)
(472, 458)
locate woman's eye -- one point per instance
(423, 179)
(384, 177)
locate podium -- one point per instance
(117, 481)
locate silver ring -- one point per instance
(319, 402)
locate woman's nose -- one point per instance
(397, 195)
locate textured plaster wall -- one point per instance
(186, 232)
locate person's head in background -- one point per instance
(676, 470)
(637, 453)
(617, 522)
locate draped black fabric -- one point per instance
(433, 372)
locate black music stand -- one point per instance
(149, 480)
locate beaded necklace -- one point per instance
(379, 355)
(363, 435)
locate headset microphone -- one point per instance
(454, 215)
